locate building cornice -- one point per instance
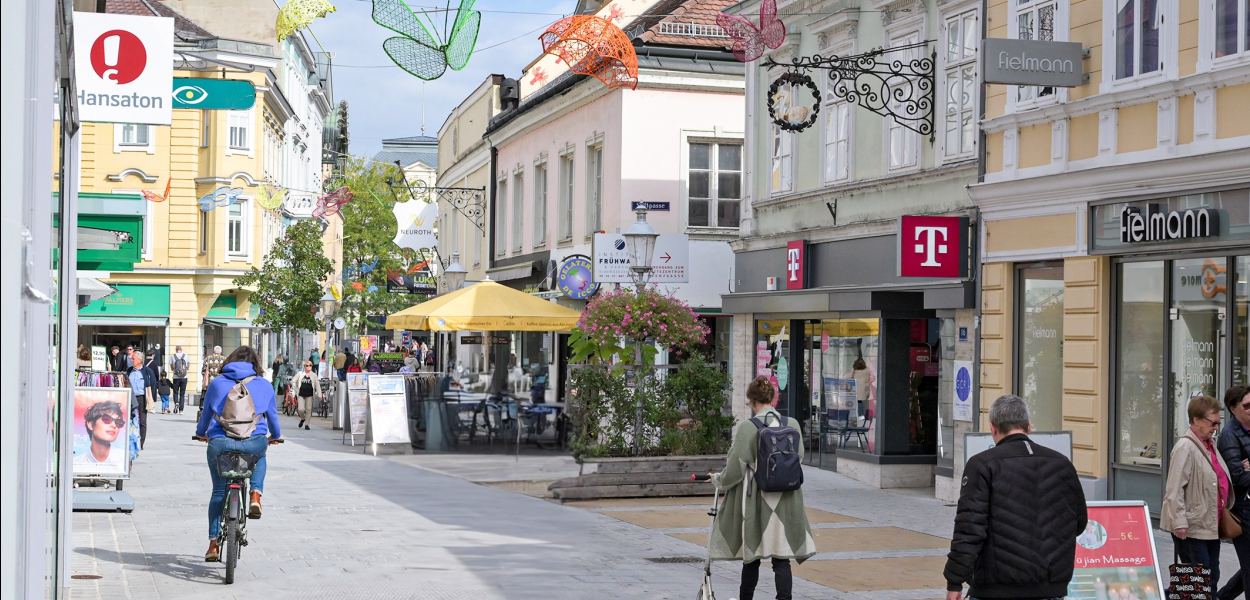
(942, 173)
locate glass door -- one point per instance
(1199, 300)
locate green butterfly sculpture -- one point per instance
(418, 49)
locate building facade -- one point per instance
(861, 352)
(1116, 237)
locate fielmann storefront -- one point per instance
(1178, 317)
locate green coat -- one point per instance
(752, 525)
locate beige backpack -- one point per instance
(238, 413)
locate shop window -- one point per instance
(1232, 27)
(960, 73)
(594, 189)
(841, 366)
(714, 183)
(540, 204)
(1241, 324)
(1140, 317)
(1199, 297)
(1035, 20)
(1039, 374)
(1137, 25)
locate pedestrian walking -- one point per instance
(1198, 489)
(275, 371)
(165, 388)
(1020, 511)
(142, 385)
(212, 365)
(179, 365)
(340, 364)
(307, 389)
(1234, 446)
(117, 361)
(748, 512)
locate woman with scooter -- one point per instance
(738, 532)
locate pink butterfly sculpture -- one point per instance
(329, 204)
(749, 39)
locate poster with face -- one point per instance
(101, 436)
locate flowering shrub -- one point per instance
(643, 315)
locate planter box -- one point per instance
(638, 477)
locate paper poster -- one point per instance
(99, 358)
(368, 344)
(358, 410)
(762, 357)
(357, 381)
(388, 410)
(1115, 555)
(963, 391)
(101, 435)
(783, 373)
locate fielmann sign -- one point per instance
(1032, 62)
(124, 68)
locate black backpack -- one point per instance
(777, 464)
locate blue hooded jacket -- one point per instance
(215, 398)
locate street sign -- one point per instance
(651, 205)
(124, 68)
(1032, 62)
(670, 263)
(206, 93)
(471, 340)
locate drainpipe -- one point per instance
(490, 205)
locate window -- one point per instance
(1035, 20)
(1232, 27)
(236, 229)
(1137, 37)
(903, 143)
(135, 135)
(203, 231)
(959, 120)
(594, 190)
(715, 183)
(206, 121)
(1140, 314)
(540, 204)
(781, 179)
(501, 197)
(566, 196)
(240, 129)
(1040, 331)
(518, 209)
(838, 141)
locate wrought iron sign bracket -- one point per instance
(899, 89)
(470, 202)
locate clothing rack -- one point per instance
(93, 378)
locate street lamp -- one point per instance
(454, 274)
(328, 306)
(640, 240)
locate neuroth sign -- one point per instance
(935, 247)
(124, 68)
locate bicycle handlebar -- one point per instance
(273, 441)
(700, 477)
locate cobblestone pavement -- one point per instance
(342, 524)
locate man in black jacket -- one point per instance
(1020, 510)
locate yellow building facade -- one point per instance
(1115, 229)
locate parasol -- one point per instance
(298, 14)
(485, 306)
(593, 46)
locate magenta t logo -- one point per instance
(931, 243)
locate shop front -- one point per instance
(224, 325)
(863, 354)
(135, 315)
(1179, 314)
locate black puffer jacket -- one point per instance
(1020, 510)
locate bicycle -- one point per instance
(236, 468)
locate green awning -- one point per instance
(225, 306)
(132, 300)
(132, 321)
(230, 322)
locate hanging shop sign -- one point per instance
(123, 65)
(796, 265)
(933, 246)
(299, 206)
(500, 340)
(416, 222)
(651, 205)
(1032, 62)
(1161, 225)
(794, 101)
(670, 262)
(206, 93)
(1117, 552)
(575, 278)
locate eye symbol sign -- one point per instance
(190, 94)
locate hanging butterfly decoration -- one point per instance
(352, 272)
(330, 204)
(418, 49)
(270, 199)
(417, 267)
(152, 197)
(299, 14)
(750, 39)
(373, 288)
(359, 287)
(222, 196)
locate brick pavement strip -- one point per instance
(340, 524)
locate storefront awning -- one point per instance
(123, 320)
(94, 288)
(230, 322)
(520, 271)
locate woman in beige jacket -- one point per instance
(1198, 488)
(306, 388)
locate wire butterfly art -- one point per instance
(749, 39)
(418, 49)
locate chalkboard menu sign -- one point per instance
(390, 362)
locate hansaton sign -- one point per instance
(932, 246)
(796, 265)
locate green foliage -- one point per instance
(291, 281)
(683, 414)
(644, 314)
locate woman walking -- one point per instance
(306, 389)
(747, 513)
(1234, 445)
(1197, 489)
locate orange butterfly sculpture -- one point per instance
(152, 197)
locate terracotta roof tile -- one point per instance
(692, 23)
(184, 28)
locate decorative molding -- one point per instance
(1011, 149)
(897, 11)
(1107, 131)
(1165, 124)
(1059, 141)
(1204, 115)
(132, 171)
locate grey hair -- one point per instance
(1009, 412)
(216, 349)
(141, 355)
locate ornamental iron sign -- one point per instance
(1032, 62)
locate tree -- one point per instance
(290, 284)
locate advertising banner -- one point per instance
(124, 68)
(101, 432)
(1115, 555)
(575, 279)
(368, 344)
(670, 262)
(388, 410)
(963, 391)
(357, 410)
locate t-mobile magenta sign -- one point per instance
(933, 246)
(796, 265)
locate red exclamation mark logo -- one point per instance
(118, 56)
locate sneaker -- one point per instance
(254, 511)
(214, 552)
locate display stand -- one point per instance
(355, 406)
(386, 427)
(113, 465)
(111, 499)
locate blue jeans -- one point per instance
(1237, 584)
(164, 402)
(1204, 552)
(255, 445)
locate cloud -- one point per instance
(385, 101)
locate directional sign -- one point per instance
(206, 93)
(670, 263)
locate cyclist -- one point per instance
(241, 364)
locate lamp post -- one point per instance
(328, 307)
(453, 279)
(640, 241)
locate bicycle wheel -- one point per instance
(233, 512)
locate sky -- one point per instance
(385, 101)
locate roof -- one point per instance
(408, 157)
(184, 28)
(691, 23)
(413, 139)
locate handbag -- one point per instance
(1188, 580)
(1229, 526)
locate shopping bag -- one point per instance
(1189, 581)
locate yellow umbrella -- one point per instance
(485, 306)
